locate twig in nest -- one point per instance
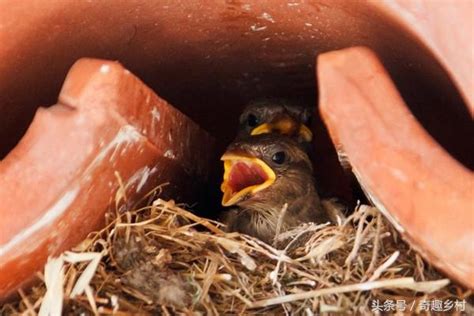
(407, 283)
(279, 223)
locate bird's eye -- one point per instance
(279, 157)
(252, 120)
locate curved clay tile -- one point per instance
(425, 193)
(58, 182)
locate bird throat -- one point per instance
(244, 176)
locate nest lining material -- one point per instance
(165, 259)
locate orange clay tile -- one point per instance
(416, 184)
(58, 182)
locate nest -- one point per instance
(163, 259)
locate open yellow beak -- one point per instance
(244, 176)
(284, 126)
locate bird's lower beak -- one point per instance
(305, 133)
(244, 176)
(286, 126)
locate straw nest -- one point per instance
(163, 259)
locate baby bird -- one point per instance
(276, 116)
(268, 179)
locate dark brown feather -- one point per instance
(268, 110)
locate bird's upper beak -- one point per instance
(285, 125)
(244, 175)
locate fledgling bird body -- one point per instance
(268, 179)
(276, 116)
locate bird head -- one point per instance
(264, 168)
(276, 116)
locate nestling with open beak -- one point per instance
(276, 116)
(263, 173)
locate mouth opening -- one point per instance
(244, 176)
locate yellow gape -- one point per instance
(235, 190)
(285, 126)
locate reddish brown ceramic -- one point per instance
(425, 193)
(210, 57)
(60, 179)
(430, 21)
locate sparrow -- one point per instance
(289, 117)
(268, 182)
(275, 116)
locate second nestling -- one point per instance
(268, 178)
(276, 116)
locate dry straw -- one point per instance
(164, 259)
